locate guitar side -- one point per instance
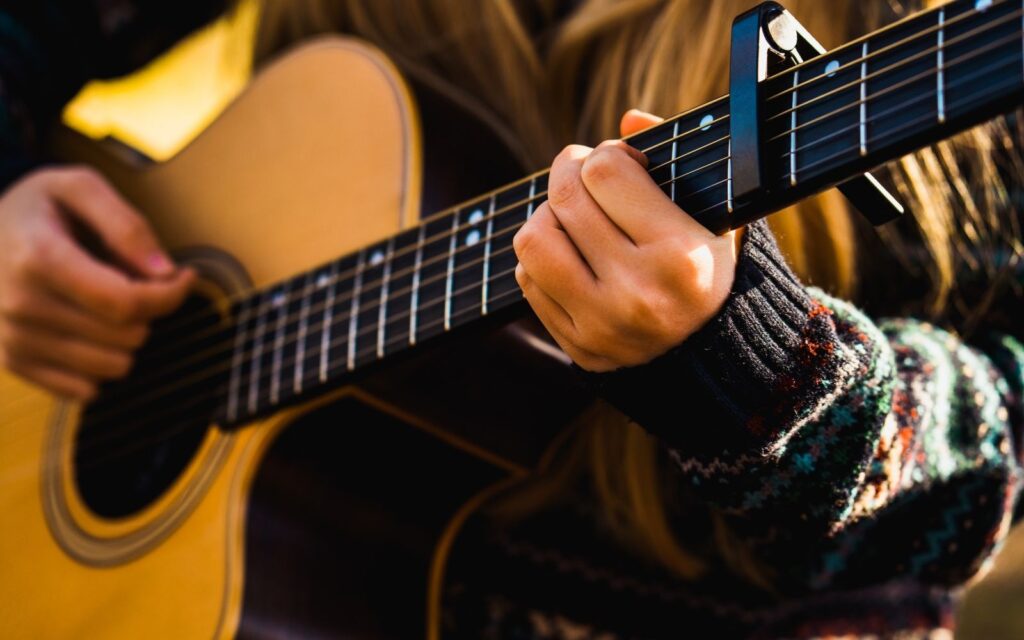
(329, 131)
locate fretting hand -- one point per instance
(67, 319)
(614, 269)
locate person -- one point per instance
(779, 464)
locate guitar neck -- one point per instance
(827, 120)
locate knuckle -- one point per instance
(123, 309)
(82, 177)
(601, 165)
(674, 260)
(523, 240)
(564, 181)
(570, 153)
(120, 365)
(562, 190)
(638, 310)
(521, 278)
(88, 391)
(137, 336)
(133, 229)
(33, 256)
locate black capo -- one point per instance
(764, 38)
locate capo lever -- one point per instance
(763, 39)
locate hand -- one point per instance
(67, 319)
(615, 270)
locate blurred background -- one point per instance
(159, 109)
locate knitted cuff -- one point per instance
(725, 389)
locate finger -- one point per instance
(635, 121)
(106, 292)
(58, 381)
(73, 355)
(559, 324)
(555, 318)
(622, 188)
(89, 197)
(46, 310)
(602, 244)
(547, 253)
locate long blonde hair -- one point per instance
(541, 78)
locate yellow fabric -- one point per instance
(163, 106)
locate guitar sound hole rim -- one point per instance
(94, 540)
(134, 443)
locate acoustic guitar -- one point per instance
(230, 486)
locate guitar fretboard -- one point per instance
(829, 119)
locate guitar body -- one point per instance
(329, 518)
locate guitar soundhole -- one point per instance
(139, 435)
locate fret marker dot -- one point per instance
(705, 122)
(278, 299)
(322, 280)
(472, 238)
(831, 68)
(476, 216)
(982, 5)
(376, 258)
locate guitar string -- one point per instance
(909, 39)
(923, 97)
(973, 53)
(348, 275)
(790, 73)
(373, 348)
(166, 434)
(290, 342)
(807, 168)
(132, 446)
(292, 296)
(227, 346)
(918, 120)
(905, 126)
(265, 306)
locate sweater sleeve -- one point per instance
(50, 48)
(842, 451)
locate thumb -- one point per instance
(87, 196)
(636, 120)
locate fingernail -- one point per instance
(159, 263)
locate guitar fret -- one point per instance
(728, 178)
(328, 322)
(533, 194)
(672, 160)
(257, 355)
(487, 255)
(415, 298)
(382, 315)
(792, 129)
(234, 385)
(280, 302)
(451, 265)
(940, 64)
(300, 345)
(864, 99)
(353, 318)
(961, 52)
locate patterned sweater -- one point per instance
(868, 467)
